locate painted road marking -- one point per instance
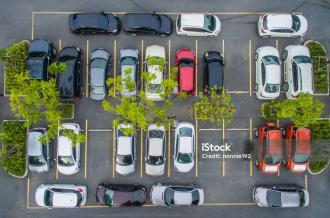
(169, 151)
(100, 130)
(87, 65)
(209, 129)
(32, 25)
(237, 129)
(306, 181)
(114, 64)
(223, 140)
(169, 58)
(27, 192)
(196, 66)
(141, 156)
(86, 146)
(251, 164)
(223, 50)
(113, 150)
(196, 141)
(142, 64)
(250, 67)
(276, 44)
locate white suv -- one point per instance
(298, 71)
(282, 25)
(198, 25)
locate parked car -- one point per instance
(61, 195)
(213, 71)
(117, 195)
(41, 54)
(153, 88)
(282, 25)
(99, 72)
(94, 23)
(147, 23)
(129, 62)
(68, 155)
(126, 151)
(184, 147)
(155, 150)
(176, 195)
(269, 148)
(297, 149)
(39, 153)
(69, 83)
(268, 73)
(197, 24)
(280, 196)
(298, 71)
(185, 60)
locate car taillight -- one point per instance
(80, 190)
(261, 24)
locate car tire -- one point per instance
(256, 87)
(284, 55)
(285, 86)
(283, 132)
(256, 56)
(256, 133)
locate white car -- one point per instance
(184, 147)
(153, 88)
(176, 195)
(125, 151)
(199, 24)
(298, 71)
(129, 62)
(61, 195)
(282, 25)
(68, 155)
(155, 150)
(268, 73)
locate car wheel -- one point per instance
(284, 54)
(256, 56)
(256, 87)
(285, 86)
(256, 133)
(283, 132)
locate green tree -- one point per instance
(215, 108)
(270, 110)
(74, 137)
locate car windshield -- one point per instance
(154, 88)
(185, 132)
(186, 62)
(195, 197)
(271, 60)
(156, 134)
(209, 22)
(272, 88)
(273, 198)
(301, 158)
(295, 23)
(48, 197)
(272, 159)
(124, 160)
(302, 59)
(155, 160)
(36, 54)
(99, 63)
(121, 133)
(169, 196)
(128, 61)
(36, 160)
(66, 160)
(98, 90)
(184, 157)
(108, 197)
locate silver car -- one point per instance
(129, 62)
(280, 196)
(39, 154)
(176, 195)
(99, 66)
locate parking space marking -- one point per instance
(113, 150)
(276, 44)
(223, 140)
(142, 63)
(250, 67)
(251, 163)
(209, 129)
(230, 204)
(87, 63)
(32, 25)
(238, 92)
(196, 66)
(223, 50)
(86, 146)
(169, 58)
(237, 129)
(27, 192)
(302, 39)
(196, 141)
(100, 130)
(141, 156)
(169, 151)
(306, 181)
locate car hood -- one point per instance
(68, 170)
(183, 167)
(156, 195)
(155, 170)
(39, 196)
(125, 170)
(39, 169)
(166, 26)
(260, 197)
(303, 25)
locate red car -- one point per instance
(269, 148)
(185, 60)
(297, 149)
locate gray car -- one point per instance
(99, 66)
(280, 196)
(39, 154)
(129, 61)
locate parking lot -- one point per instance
(226, 181)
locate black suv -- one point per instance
(147, 23)
(94, 23)
(69, 83)
(41, 54)
(213, 71)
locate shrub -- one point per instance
(67, 111)
(269, 110)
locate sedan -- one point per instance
(125, 148)
(282, 25)
(185, 60)
(147, 23)
(39, 153)
(268, 73)
(99, 66)
(129, 61)
(155, 150)
(69, 83)
(117, 195)
(94, 23)
(280, 196)
(68, 155)
(184, 147)
(176, 195)
(213, 71)
(61, 195)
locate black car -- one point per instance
(213, 71)
(147, 23)
(94, 23)
(41, 54)
(69, 82)
(115, 195)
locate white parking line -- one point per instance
(100, 130)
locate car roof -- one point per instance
(64, 146)
(195, 20)
(186, 78)
(182, 198)
(139, 20)
(34, 145)
(155, 147)
(66, 199)
(97, 77)
(273, 74)
(69, 51)
(185, 144)
(303, 135)
(66, 80)
(124, 145)
(290, 199)
(215, 74)
(279, 21)
(274, 141)
(306, 76)
(90, 19)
